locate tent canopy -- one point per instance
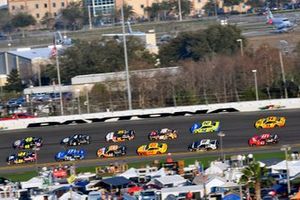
(231, 197)
(116, 181)
(296, 197)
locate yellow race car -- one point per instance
(152, 149)
(270, 122)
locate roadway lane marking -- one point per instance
(180, 154)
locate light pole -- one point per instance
(179, 10)
(79, 107)
(87, 98)
(221, 135)
(126, 59)
(216, 9)
(287, 148)
(58, 77)
(90, 18)
(241, 46)
(255, 82)
(283, 75)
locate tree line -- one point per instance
(212, 69)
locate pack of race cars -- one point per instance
(30, 145)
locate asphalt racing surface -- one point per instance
(238, 127)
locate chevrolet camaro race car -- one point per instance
(205, 127)
(163, 134)
(21, 157)
(111, 151)
(70, 154)
(120, 136)
(76, 140)
(28, 143)
(204, 145)
(152, 149)
(270, 122)
(264, 139)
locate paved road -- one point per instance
(238, 127)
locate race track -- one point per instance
(238, 128)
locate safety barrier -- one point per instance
(246, 106)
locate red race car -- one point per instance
(264, 139)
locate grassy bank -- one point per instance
(205, 161)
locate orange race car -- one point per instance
(111, 151)
(270, 122)
(152, 149)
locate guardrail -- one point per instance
(246, 106)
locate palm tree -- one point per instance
(128, 12)
(252, 176)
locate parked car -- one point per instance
(18, 116)
(16, 102)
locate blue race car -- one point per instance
(70, 154)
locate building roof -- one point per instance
(35, 53)
(121, 76)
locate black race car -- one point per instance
(75, 140)
(28, 143)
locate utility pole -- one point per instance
(126, 60)
(283, 75)
(90, 18)
(179, 10)
(58, 77)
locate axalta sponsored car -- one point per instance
(28, 143)
(120, 136)
(270, 122)
(204, 145)
(264, 139)
(111, 151)
(21, 157)
(152, 149)
(163, 134)
(205, 127)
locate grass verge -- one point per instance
(204, 161)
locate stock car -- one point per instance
(152, 149)
(204, 145)
(21, 157)
(264, 139)
(163, 134)
(70, 154)
(205, 127)
(76, 140)
(111, 151)
(28, 143)
(270, 122)
(120, 136)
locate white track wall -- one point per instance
(246, 106)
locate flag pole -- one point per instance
(59, 79)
